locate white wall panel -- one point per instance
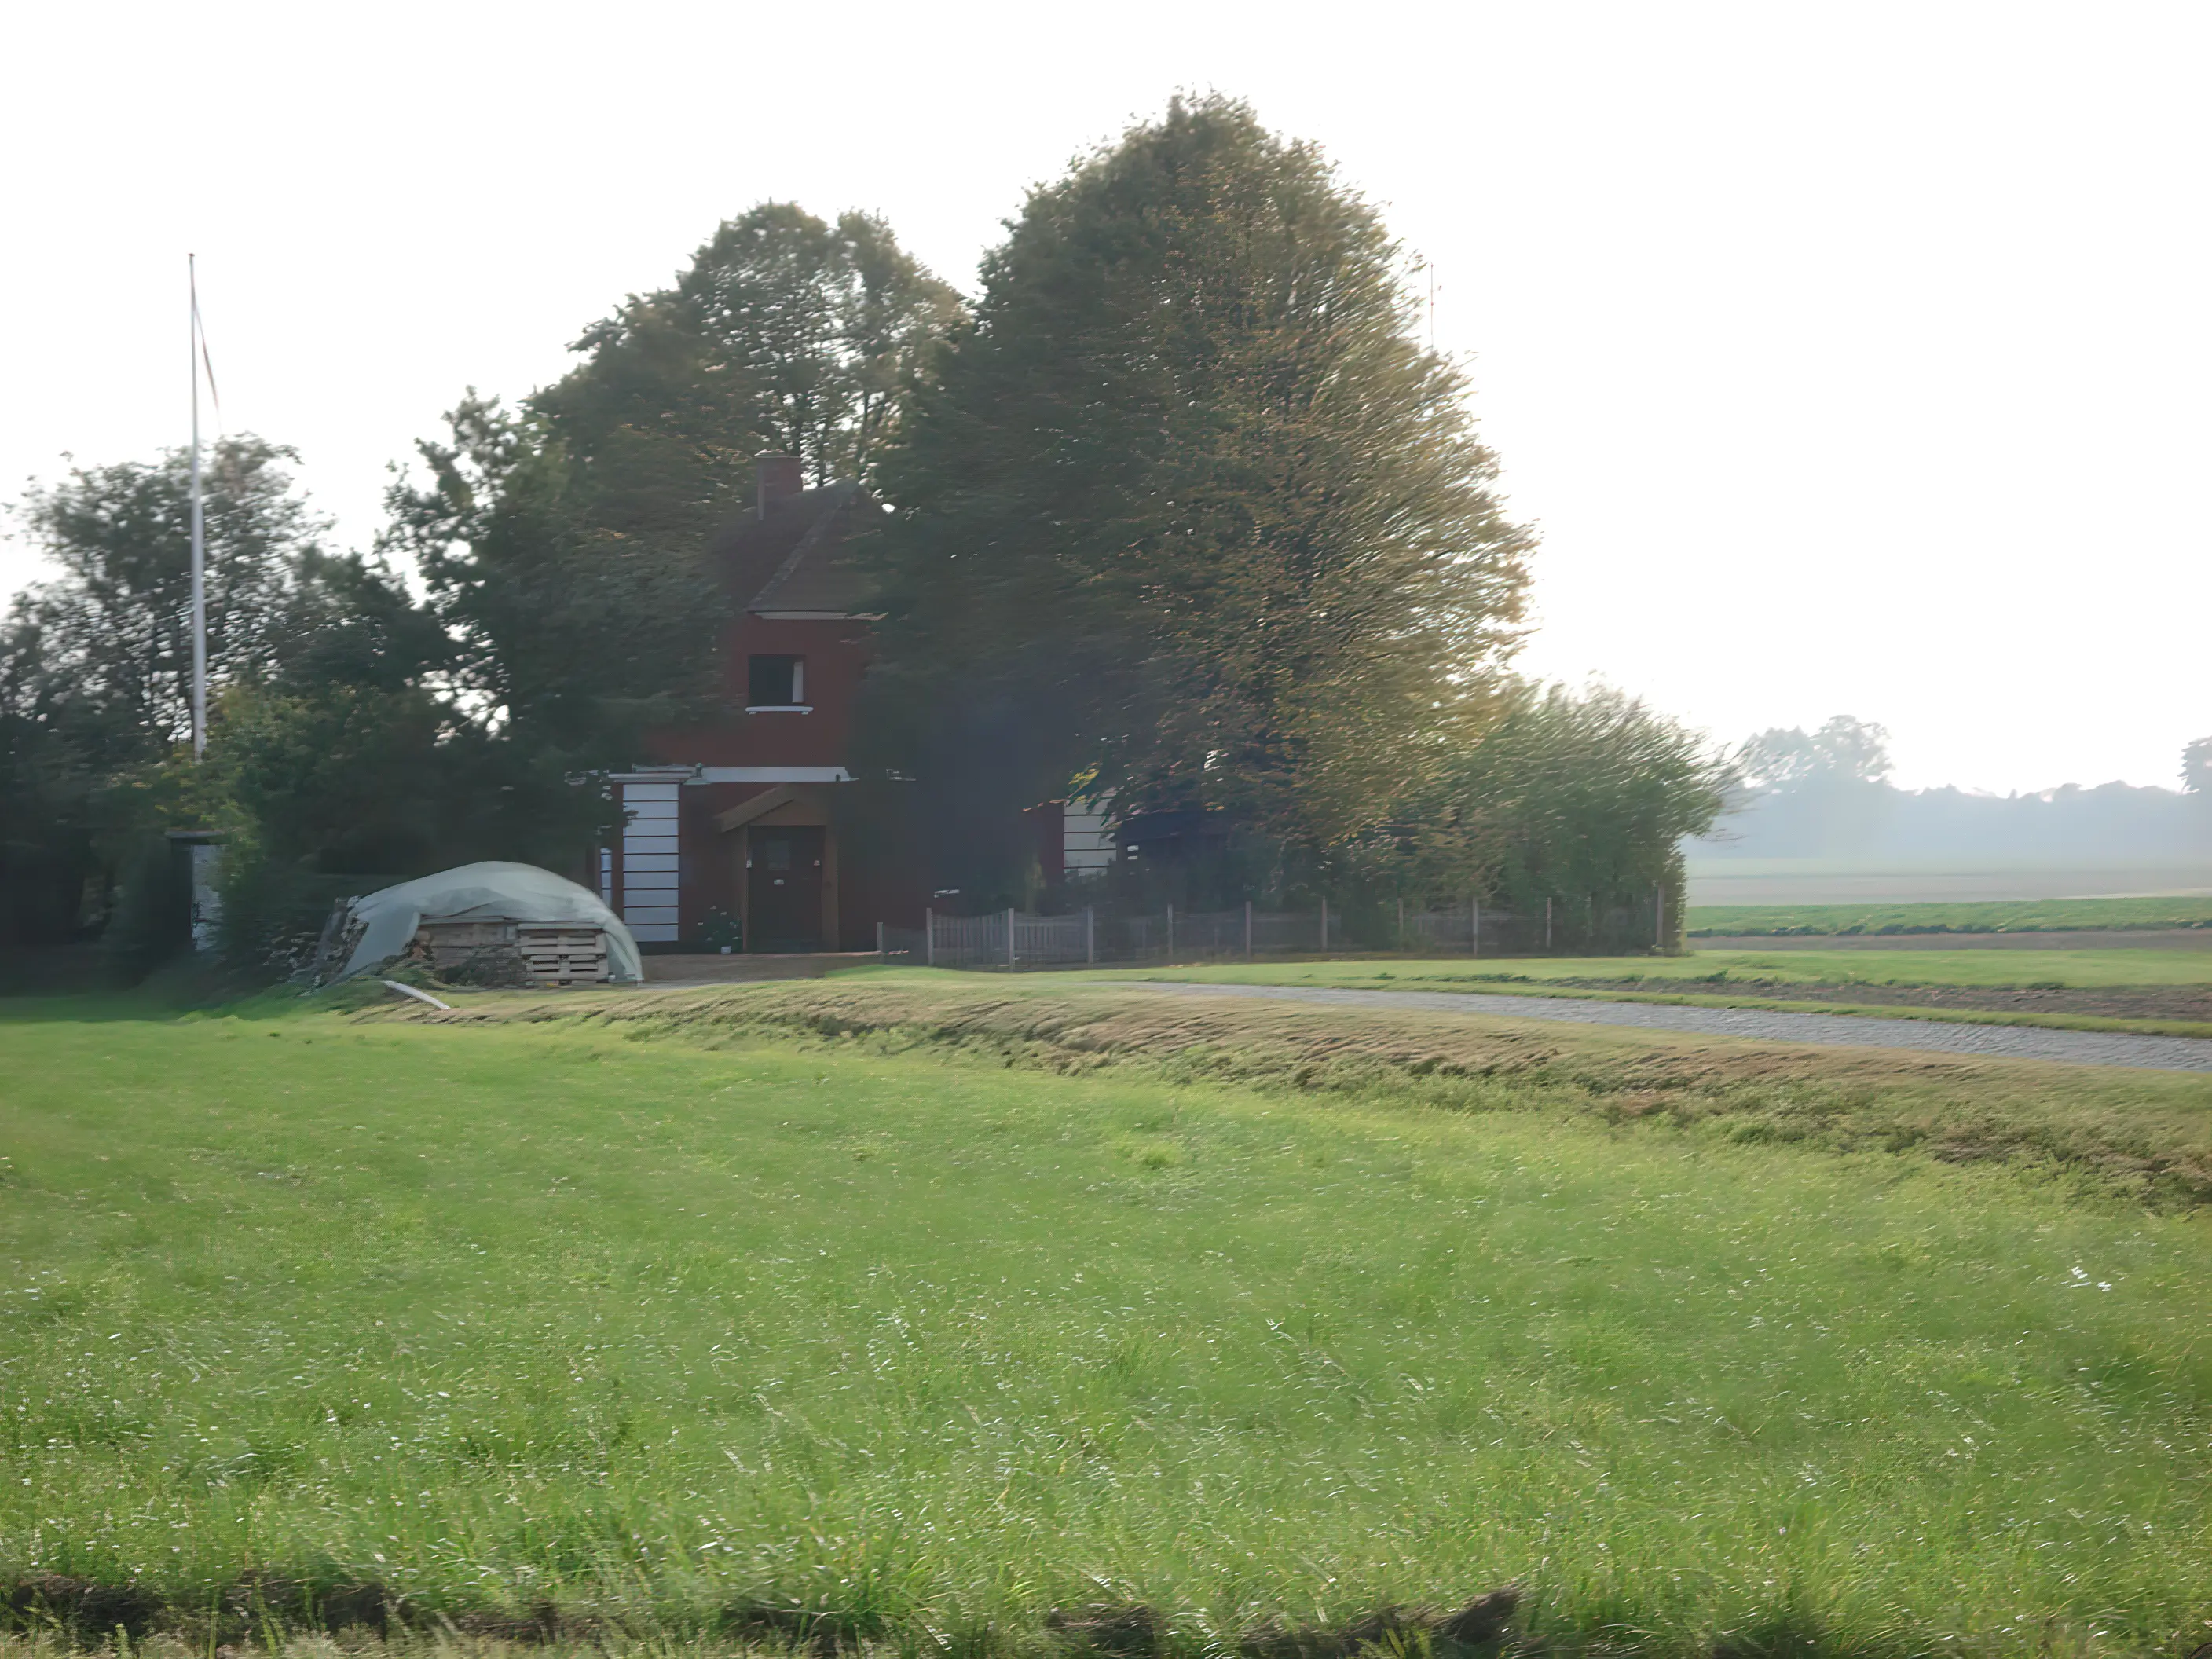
(649, 862)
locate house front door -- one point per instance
(783, 888)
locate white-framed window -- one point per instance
(774, 682)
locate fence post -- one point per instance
(1658, 919)
(1247, 930)
(1475, 927)
(882, 949)
(929, 936)
(1171, 933)
(1324, 927)
(1547, 925)
(1401, 923)
(1090, 935)
(1010, 936)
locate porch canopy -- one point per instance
(490, 891)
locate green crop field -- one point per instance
(901, 1313)
(2029, 915)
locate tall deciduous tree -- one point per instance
(1189, 513)
(112, 629)
(571, 635)
(820, 323)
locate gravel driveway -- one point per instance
(2157, 1054)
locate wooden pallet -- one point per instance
(551, 953)
(564, 956)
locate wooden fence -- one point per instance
(1017, 939)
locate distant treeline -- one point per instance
(1826, 794)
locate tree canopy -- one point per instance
(336, 748)
(1187, 512)
(1845, 750)
(103, 648)
(95, 661)
(565, 543)
(1582, 795)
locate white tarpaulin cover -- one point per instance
(485, 892)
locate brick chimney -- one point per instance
(779, 476)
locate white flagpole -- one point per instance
(199, 535)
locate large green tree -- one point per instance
(566, 542)
(336, 749)
(104, 645)
(95, 660)
(1188, 513)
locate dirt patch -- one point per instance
(819, 1631)
(2164, 1002)
(90, 1612)
(83, 1608)
(1390, 1630)
(1134, 1631)
(537, 1626)
(262, 1609)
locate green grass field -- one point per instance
(673, 1323)
(1979, 917)
(2086, 969)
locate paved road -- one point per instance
(2157, 1054)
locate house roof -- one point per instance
(798, 557)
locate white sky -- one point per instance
(1850, 357)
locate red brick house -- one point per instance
(737, 817)
(753, 816)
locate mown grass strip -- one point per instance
(1508, 985)
(2147, 1136)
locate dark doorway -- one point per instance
(783, 888)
